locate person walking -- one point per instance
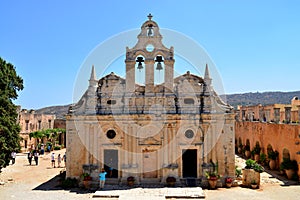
(58, 160)
(102, 178)
(29, 157)
(53, 160)
(36, 157)
(13, 157)
(65, 158)
(42, 149)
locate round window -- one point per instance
(189, 134)
(149, 47)
(111, 134)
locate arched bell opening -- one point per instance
(140, 70)
(159, 70)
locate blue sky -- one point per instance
(254, 44)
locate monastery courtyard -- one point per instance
(22, 181)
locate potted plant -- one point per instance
(238, 173)
(87, 179)
(254, 184)
(212, 178)
(171, 181)
(290, 167)
(247, 151)
(252, 172)
(228, 182)
(263, 159)
(130, 180)
(272, 156)
(256, 152)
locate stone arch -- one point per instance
(269, 148)
(285, 154)
(159, 69)
(247, 142)
(139, 53)
(140, 71)
(240, 141)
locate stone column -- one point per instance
(251, 116)
(166, 144)
(261, 115)
(169, 75)
(288, 114)
(130, 76)
(149, 79)
(277, 115)
(243, 115)
(267, 115)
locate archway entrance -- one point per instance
(150, 163)
(111, 163)
(189, 163)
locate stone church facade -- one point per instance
(150, 131)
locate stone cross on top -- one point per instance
(149, 16)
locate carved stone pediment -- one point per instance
(149, 141)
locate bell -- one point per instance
(158, 66)
(150, 31)
(140, 66)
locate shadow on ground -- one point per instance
(55, 184)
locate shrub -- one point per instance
(57, 147)
(272, 155)
(289, 164)
(251, 164)
(238, 172)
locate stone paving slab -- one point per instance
(152, 193)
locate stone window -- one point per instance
(188, 101)
(49, 121)
(111, 134)
(111, 102)
(26, 122)
(39, 124)
(189, 134)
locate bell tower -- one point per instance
(149, 53)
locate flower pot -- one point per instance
(212, 183)
(256, 157)
(289, 173)
(239, 150)
(228, 185)
(171, 184)
(254, 186)
(130, 183)
(247, 154)
(249, 175)
(272, 164)
(87, 184)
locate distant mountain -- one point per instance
(59, 111)
(264, 98)
(245, 99)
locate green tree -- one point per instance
(10, 83)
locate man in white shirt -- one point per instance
(13, 157)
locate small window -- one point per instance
(111, 102)
(49, 121)
(189, 101)
(39, 124)
(26, 122)
(111, 134)
(189, 134)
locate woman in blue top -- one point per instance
(102, 178)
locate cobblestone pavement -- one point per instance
(22, 181)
